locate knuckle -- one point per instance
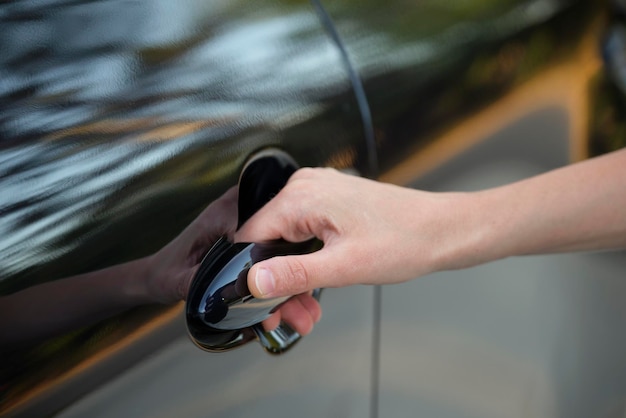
(328, 225)
(298, 277)
(304, 173)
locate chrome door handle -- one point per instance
(220, 307)
(220, 311)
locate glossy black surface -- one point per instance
(426, 66)
(124, 117)
(219, 305)
(262, 177)
(120, 121)
(221, 313)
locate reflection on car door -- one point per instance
(120, 122)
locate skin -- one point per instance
(376, 233)
(373, 233)
(162, 278)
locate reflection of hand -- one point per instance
(172, 268)
(67, 304)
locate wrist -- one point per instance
(135, 281)
(470, 234)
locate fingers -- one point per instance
(296, 214)
(219, 218)
(311, 305)
(295, 274)
(301, 312)
(281, 220)
(272, 322)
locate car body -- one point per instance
(121, 121)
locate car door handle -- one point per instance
(221, 313)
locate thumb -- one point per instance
(287, 275)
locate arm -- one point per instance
(377, 233)
(63, 305)
(66, 304)
(580, 207)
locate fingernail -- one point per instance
(264, 281)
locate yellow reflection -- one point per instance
(176, 130)
(168, 317)
(151, 129)
(107, 126)
(342, 159)
(564, 84)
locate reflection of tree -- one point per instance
(418, 18)
(451, 60)
(608, 117)
(608, 94)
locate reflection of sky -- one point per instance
(66, 67)
(74, 65)
(242, 61)
(59, 194)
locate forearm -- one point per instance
(575, 208)
(67, 304)
(164, 277)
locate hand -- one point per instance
(376, 233)
(373, 233)
(173, 267)
(301, 312)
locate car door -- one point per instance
(120, 122)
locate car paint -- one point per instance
(121, 121)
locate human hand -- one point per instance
(174, 266)
(373, 233)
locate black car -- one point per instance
(120, 121)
